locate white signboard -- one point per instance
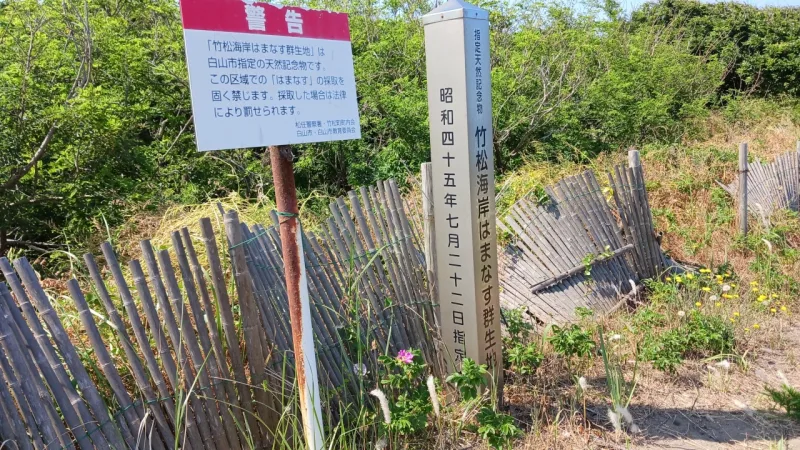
(265, 75)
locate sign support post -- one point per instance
(460, 112)
(294, 268)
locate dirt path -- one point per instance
(710, 408)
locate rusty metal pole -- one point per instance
(297, 290)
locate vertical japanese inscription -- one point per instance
(459, 99)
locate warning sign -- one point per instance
(265, 75)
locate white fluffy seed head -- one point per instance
(615, 420)
(634, 429)
(381, 444)
(387, 413)
(582, 383)
(726, 287)
(681, 313)
(432, 392)
(784, 380)
(724, 364)
(713, 298)
(626, 415)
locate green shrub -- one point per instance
(700, 335)
(571, 341)
(788, 398)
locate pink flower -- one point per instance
(405, 356)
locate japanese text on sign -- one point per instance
(266, 75)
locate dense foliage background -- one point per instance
(95, 117)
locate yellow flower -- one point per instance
(678, 279)
(733, 285)
(734, 296)
(719, 277)
(747, 330)
(736, 314)
(783, 308)
(762, 297)
(773, 310)
(669, 278)
(733, 320)
(705, 271)
(727, 274)
(754, 283)
(690, 276)
(698, 304)
(755, 289)
(727, 296)
(718, 304)
(756, 326)
(705, 289)
(774, 295)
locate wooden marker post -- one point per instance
(743, 188)
(460, 111)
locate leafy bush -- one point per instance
(571, 341)
(788, 398)
(410, 402)
(700, 335)
(524, 358)
(470, 379)
(497, 429)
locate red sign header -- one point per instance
(254, 17)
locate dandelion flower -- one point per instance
(736, 314)
(678, 279)
(762, 297)
(432, 392)
(583, 384)
(705, 289)
(718, 304)
(733, 320)
(405, 356)
(727, 296)
(726, 287)
(698, 304)
(387, 414)
(773, 310)
(713, 298)
(705, 271)
(783, 308)
(724, 364)
(615, 420)
(756, 326)
(755, 289)
(668, 278)
(690, 276)
(733, 285)
(754, 283)
(719, 277)
(681, 313)
(774, 295)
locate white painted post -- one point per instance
(743, 188)
(460, 111)
(312, 407)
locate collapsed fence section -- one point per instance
(207, 369)
(572, 250)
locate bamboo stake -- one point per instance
(228, 325)
(59, 335)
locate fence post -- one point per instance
(429, 230)
(633, 158)
(743, 188)
(798, 146)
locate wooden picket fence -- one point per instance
(213, 371)
(573, 250)
(771, 186)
